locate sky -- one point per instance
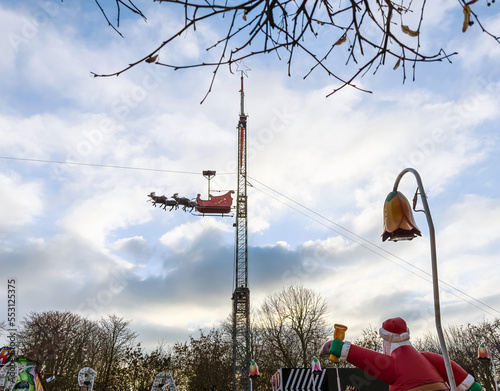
(79, 155)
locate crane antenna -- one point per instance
(241, 294)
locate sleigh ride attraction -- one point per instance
(215, 205)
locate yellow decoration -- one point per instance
(338, 334)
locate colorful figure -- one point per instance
(26, 380)
(482, 353)
(315, 366)
(6, 354)
(86, 378)
(254, 370)
(401, 366)
(23, 386)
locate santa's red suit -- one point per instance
(401, 366)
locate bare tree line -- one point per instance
(287, 331)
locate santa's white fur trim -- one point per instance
(393, 337)
(345, 351)
(466, 384)
(395, 345)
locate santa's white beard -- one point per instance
(387, 348)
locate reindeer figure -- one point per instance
(185, 202)
(162, 200)
(191, 205)
(157, 199)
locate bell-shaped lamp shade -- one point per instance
(482, 353)
(254, 370)
(399, 223)
(315, 366)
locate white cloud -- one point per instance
(185, 234)
(22, 201)
(96, 216)
(479, 50)
(472, 222)
(318, 168)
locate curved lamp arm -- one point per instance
(437, 309)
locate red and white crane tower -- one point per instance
(241, 293)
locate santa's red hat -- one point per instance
(395, 330)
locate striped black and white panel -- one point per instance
(302, 379)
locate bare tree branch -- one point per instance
(363, 30)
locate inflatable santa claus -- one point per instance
(401, 366)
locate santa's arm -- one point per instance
(376, 364)
(464, 380)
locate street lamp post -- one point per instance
(410, 235)
(484, 356)
(253, 372)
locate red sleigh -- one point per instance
(215, 204)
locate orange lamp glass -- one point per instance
(399, 223)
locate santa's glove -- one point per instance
(475, 387)
(334, 347)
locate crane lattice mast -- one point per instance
(241, 295)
